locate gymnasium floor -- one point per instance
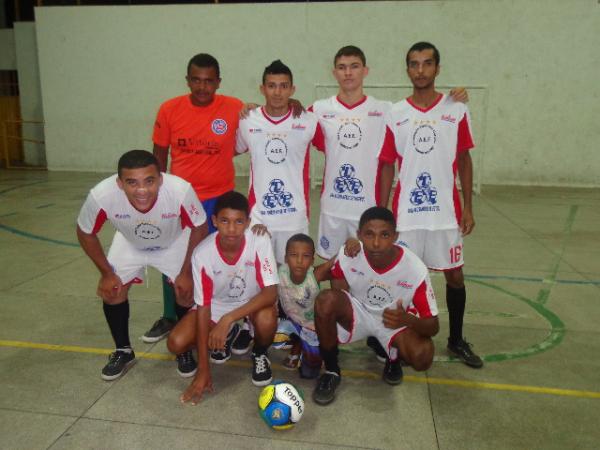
(533, 311)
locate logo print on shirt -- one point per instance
(277, 196)
(424, 139)
(324, 242)
(146, 230)
(349, 135)
(237, 286)
(424, 193)
(276, 150)
(378, 297)
(346, 182)
(219, 126)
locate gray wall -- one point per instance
(8, 60)
(533, 67)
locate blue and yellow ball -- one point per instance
(281, 405)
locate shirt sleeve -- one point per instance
(465, 139)
(192, 212)
(264, 263)
(92, 216)
(203, 280)
(336, 271)
(424, 299)
(388, 149)
(161, 135)
(241, 146)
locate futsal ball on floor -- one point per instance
(281, 405)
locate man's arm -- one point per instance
(184, 283)
(203, 380)
(323, 271)
(110, 284)
(266, 297)
(162, 154)
(465, 174)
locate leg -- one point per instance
(183, 337)
(417, 351)
(264, 322)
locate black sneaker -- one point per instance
(380, 352)
(222, 356)
(392, 372)
(462, 350)
(186, 364)
(324, 393)
(241, 345)
(161, 328)
(118, 363)
(261, 370)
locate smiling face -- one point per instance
(299, 257)
(378, 238)
(141, 186)
(277, 90)
(349, 71)
(203, 83)
(422, 68)
(231, 225)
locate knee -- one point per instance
(325, 303)
(175, 343)
(422, 357)
(455, 278)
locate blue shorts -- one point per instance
(308, 338)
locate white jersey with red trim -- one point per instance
(176, 207)
(235, 283)
(352, 139)
(279, 169)
(406, 279)
(428, 143)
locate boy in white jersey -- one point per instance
(235, 276)
(298, 287)
(151, 212)
(279, 159)
(386, 294)
(432, 136)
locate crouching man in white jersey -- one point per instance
(387, 295)
(235, 276)
(432, 136)
(153, 214)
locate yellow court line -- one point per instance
(348, 373)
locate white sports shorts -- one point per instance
(333, 234)
(438, 249)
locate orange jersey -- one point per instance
(202, 141)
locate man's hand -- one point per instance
(218, 335)
(297, 108)
(459, 94)
(395, 317)
(246, 109)
(109, 286)
(259, 229)
(184, 288)
(467, 223)
(352, 247)
(202, 383)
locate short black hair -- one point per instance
(377, 213)
(204, 60)
(419, 47)
(232, 200)
(300, 237)
(350, 50)
(277, 68)
(136, 159)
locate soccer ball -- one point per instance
(281, 405)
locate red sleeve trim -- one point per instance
(306, 181)
(100, 219)
(388, 149)
(319, 138)
(337, 272)
(207, 288)
(420, 301)
(185, 218)
(465, 140)
(259, 278)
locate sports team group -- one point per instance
(237, 269)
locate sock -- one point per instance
(259, 349)
(455, 301)
(181, 310)
(168, 300)
(117, 317)
(330, 358)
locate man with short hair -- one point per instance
(432, 136)
(153, 214)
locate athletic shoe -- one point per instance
(462, 350)
(309, 372)
(291, 362)
(118, 363)
(282, 341)
(241, 345)
(324, 393)
(261, 370)
(186, 364)
(376, 346)
(161, 328)
(222, 356)
(392, 372)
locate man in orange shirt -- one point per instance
(199, 129)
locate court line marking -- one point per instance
(347, 373)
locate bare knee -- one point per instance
(175, 343)
(422, 355)
(325, 303)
